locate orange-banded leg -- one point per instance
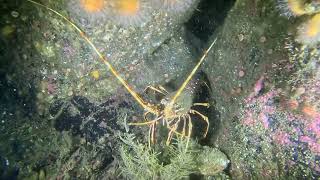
(190, 130)
(152, 126)
(173, 125)
(173, 128)
(207, 105)
(152, 130)
(203, 117)
(159, 89)
(188, 135)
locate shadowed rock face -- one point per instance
(89, 120)
(208, 18)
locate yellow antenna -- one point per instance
(192, 73)
(101, 57)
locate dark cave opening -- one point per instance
(207, 17)
(200, 28)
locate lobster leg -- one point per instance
(205, 118)
(160, 89)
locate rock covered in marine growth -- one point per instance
(270, 127)
(129, 33)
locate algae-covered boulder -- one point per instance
(53, 58)
(72, 67)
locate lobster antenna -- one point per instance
(194, 70)
(101, 57)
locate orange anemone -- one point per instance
(92, 5)
(128, 7)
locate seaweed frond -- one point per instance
(174, 161)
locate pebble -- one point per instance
(300, 91)
(107, 37)
(241, 37)
(241, 73)
(14, 14)
(70, 93)
(263, 39)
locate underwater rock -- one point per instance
(58, 63)
(261, 127)
(212, 161)
(172, 61)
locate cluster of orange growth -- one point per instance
(308, 32)
(300, 102)
(124, 12)
(307, 110)
(297, 7)
(126, 7)
(92, 5)
(127, 12)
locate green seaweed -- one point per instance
(139, 161)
